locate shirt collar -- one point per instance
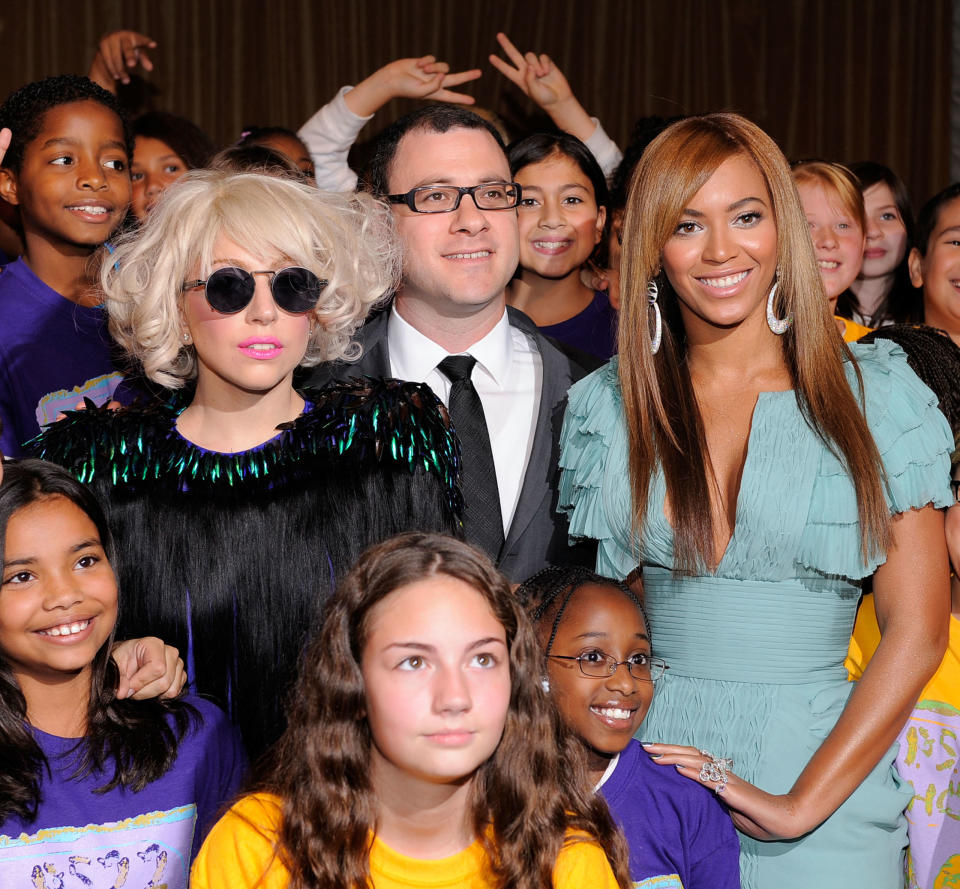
(413, 355)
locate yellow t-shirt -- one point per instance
(239, 853)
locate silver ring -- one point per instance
(715, 770)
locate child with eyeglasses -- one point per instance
(600, 673)
(240, 501)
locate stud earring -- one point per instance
(652, 293)
(187, 338)
(779, 326)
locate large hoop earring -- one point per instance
(652, 293)
(779, 326)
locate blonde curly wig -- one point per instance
(347, 239)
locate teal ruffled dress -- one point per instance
(756, 651)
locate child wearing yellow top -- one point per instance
(929, 756)
(420, 749)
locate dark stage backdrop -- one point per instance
(841, 79)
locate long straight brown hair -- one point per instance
(663, 418)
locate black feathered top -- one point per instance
(230, 556)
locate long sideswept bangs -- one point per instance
(663, 419)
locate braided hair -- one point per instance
(935, 358)
(539, 594)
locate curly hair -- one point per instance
(524, 798)
(346, 239)
(24, 110)
(127, 743)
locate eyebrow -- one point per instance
(423, 646)
(31, 560)
(64, 140)
(949, 228)
(563, 187)
(448, 180)
(595, 635)
(734, 206)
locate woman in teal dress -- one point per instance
(759, 469)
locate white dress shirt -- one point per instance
(508, 377)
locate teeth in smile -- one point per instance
(479, 254)
(261, 347)
(66, 629)
(612, 712)
(726, 281)
(549, 245)
(827, 264)
(96, 211)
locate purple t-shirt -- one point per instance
(594, 330)
(680, 835)
(53, 352)
(97, 841)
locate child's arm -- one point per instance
(148, 669)
(331, 132)
(544, 82)
(116, 52)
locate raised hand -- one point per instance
(423, 78)
(117, 52)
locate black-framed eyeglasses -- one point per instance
(446, 198)
(230, 289)
(598, 665)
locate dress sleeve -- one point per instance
(915, 443)
(593, 466)
(240, 851)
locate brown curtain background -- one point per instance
(841, 79)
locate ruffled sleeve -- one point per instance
(914, 441)
(594, 485)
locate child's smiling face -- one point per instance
(73, 186)
(603, 712)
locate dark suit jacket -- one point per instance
(538, 534)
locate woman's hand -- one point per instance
(762, 815)
(117, 52)
(423, 78)
(544, 82)
(148, 669)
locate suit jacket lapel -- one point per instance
(540, 479)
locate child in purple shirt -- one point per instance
(66, 172)
(600, 672)
(94, 790)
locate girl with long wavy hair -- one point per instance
(85, 771)
(420, 747)
(771, 469)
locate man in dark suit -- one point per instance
(445, 172)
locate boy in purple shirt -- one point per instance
(66, 172)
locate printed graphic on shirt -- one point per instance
(929, 751)
(150, 851)
(665, 881)
(99, 390)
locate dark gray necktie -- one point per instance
(482, 519)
